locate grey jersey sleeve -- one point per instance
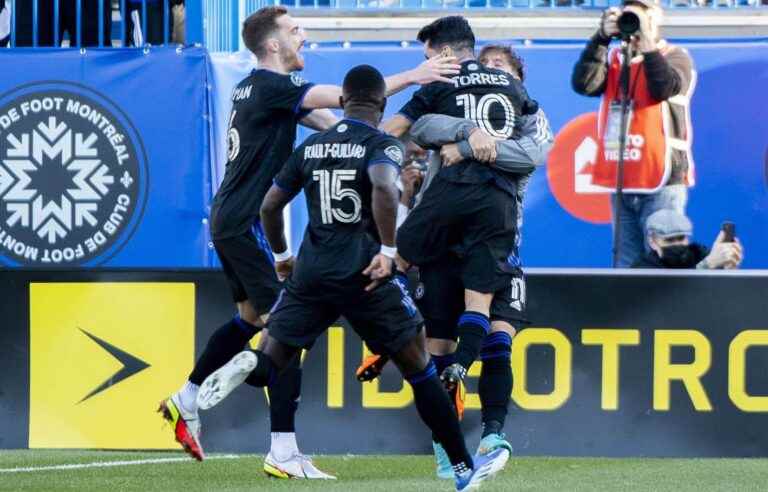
(531, 149)
(432, 131)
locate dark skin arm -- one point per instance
(384, 201)
(272, 222)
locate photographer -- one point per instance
(658, 166)
(669, 240)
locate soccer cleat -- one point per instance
(453, 375)
(486, 466)
(224, 380)
(371, 368)
(185, 426)
(444, 467)
(297, 466)
(492, 442)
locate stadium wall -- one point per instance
(615, 364)
(159, 117)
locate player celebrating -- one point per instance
(267, 105)
(472, 209)
(348, 175)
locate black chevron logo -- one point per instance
(131, 365)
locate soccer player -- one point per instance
(440, 295)
(345, 265)
(465, 228)
(267, 106)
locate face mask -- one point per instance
(677, 256)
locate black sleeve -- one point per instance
(287, 92)
(590, 72)
(669, 74)
(421, 103)
(387, 150)
(290, 178)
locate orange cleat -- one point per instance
(186, 427)
(371, 368)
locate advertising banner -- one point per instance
(614, 365)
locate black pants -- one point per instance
(67, 22)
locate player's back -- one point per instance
(266, 107)
(332, 168)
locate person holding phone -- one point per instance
(669, 240)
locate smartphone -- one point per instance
(729, 232)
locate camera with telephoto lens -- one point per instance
(628, 23)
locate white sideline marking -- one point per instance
(107, 464)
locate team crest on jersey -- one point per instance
(472, 66)
(395, 153)
(342, 128)
(73, 176)
(418, 293)
(297, 79)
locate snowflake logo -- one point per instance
(52, 144)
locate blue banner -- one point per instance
(566, 225)
(104, 158)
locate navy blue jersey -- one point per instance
(491, 98)
(266, 107)
(332, 169)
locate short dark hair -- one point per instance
(259, 25)
(453, 31)
(512, 57)
(364, 84)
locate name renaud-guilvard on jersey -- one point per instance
(480, 79)
(334, 151)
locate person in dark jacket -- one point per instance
(658, 162)
(669, 241)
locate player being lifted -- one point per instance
(440, 294)
(465, 228)
(344, 268)
(267, 106)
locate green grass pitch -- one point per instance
(371, 474)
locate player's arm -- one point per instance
(384, 202)
(320, 119)
(436, 69)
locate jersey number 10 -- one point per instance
(331, 189)
(479, 111)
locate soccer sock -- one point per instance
(284, 396)
(225, 343)
(188, 396)
(441, 362)
(283, 446)
(472, 329)
(265, 372)
(495, 385)
(435, 410)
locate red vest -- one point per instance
(647, 163)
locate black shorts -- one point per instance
(386, 318)
(248, 265)
(440, 297)
(476, 222)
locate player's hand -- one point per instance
(609, 26)
(411, 177)
(401, 264)
(436, 69)
(379, 270)
(483, 146)
(284, 268)
(450, 154)
(725, 255)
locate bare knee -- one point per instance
(413, 357)
(249, 315)
(479, 302)
(504, 326)
(440, 346)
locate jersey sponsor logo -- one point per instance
(92, 368)
(472, 66)
(569, 171)
(297, 79)
(73, 176)
(334, 151)
(395, 153)
(480, 79)
(342, 128)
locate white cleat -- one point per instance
(224, 380)
(297, 466)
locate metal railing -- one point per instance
(83, 23)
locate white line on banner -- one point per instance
(107, 464)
